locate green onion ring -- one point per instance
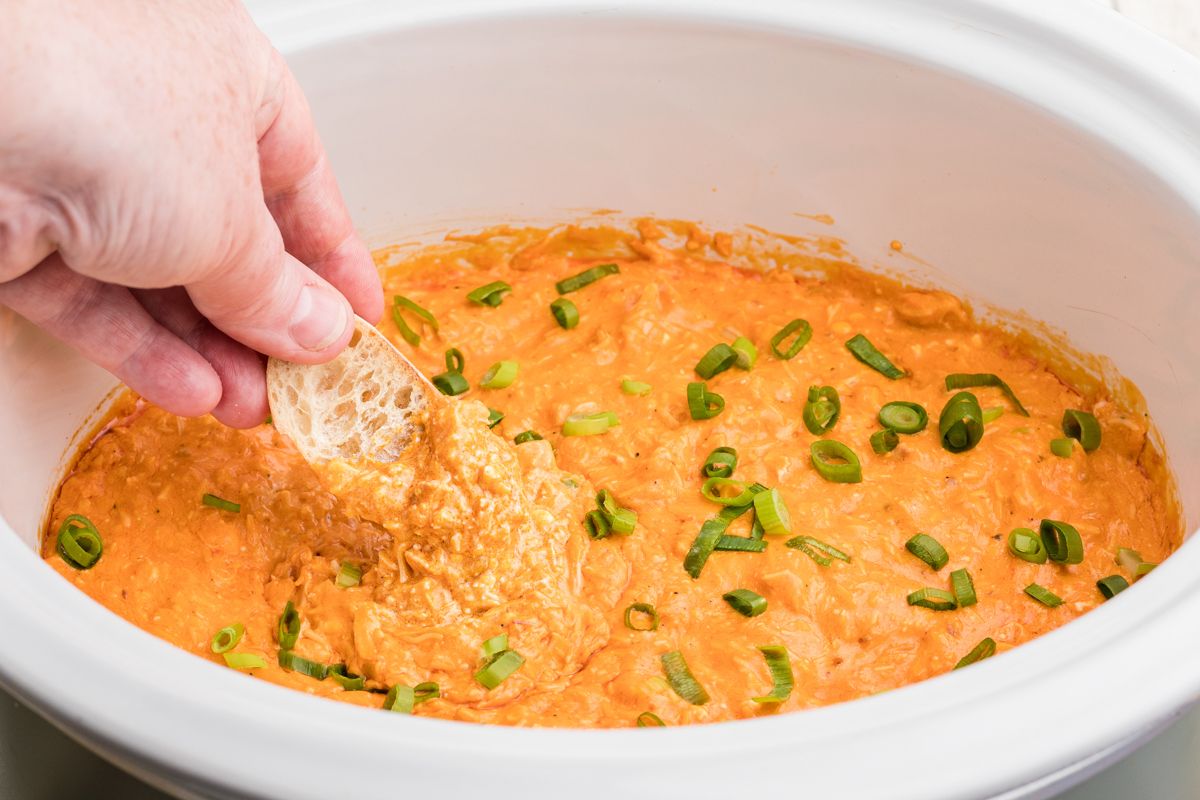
(426, 691)
(962, 380)
(1027, 546)
(745, 602)
(288, 630)
(720, 463)
(772, 512)
(450, 383)
(408, 333)
(493, 647)
(865, 352)
(884, 441)
(826, 449)
(743, 498)
(589, 424)
(703, 404)
(817, 550)
(780, 665)
(654, 721)
(455, 361)
(718, 359)
(822, 409)
(636, 387)
(313, 669)
(903, 417)
(346, 679)
(500, 375)
(747, 354)
(985, 649)
(1043, 595)
(565, 313)
(348, 575)
(703, 546)
(224, 505)
(494, 417)
(642, 608)
(227, 638)
(527, 436)
(577, 282)
(1112, 586)
(803, 332)
(597, 525)
(400, 699)
(740, 544)
(681, 679)
(243, 661)
(961, 423)
(1062, 541)
(1144, 568)
(1062, 447)
(964, 588)
(934, 599)
(79, 542)
(1082, 426)
(499, 669)
(929, 550)
(490, 295)
(620, 520)
(992, 414)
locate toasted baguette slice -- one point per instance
(366, 403)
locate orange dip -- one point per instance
(470, 536)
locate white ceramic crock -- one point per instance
(1045, 156)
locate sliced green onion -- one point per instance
(1082, 426)
(1062, 541)
(772, 512)
(681, 679)
(718, 359)
(79, 542)
(962, 380)
(570, 483)
(822, 410)
(408, 333)
(1144, 568)
(313, 669)
(346, 679)
(884, 441)
(577, 282)
(781, 673)
(647, 719)
(493, 647)
(636, 387)
(964, 588)
(426, 691)
(589, 424)
(620, 520)
(243, 661)
(865, 352)
(992, 414)
(934, 599)
(743, 498)
(500, 668)
(1128, 559)
(348, 575)
(1043, 595)
(227, 638)
(903, 417)
(641, 608)
(747, 354)
(961, 423)
(500, 375)
(1027, 545)
(823, 453)
(1062, 447)
(703, 546)
(450, 383)
(929, 550)
(803, 332)
(740, 544)
(224, 505)
(814, 548)
(494, 417)
(745, 602)
(985, 649)
(288, 630)
(702, 403)
(565, 313)
(491, 295)
(597, 525)
(1112, 586)
(400, 699)
(527, 436)
(455, 361)
(720, 463)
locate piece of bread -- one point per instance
(366, 403)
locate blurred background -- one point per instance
(37, 762)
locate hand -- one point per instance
(166, 206)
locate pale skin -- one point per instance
(166, 206)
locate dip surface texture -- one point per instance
(469, 536)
